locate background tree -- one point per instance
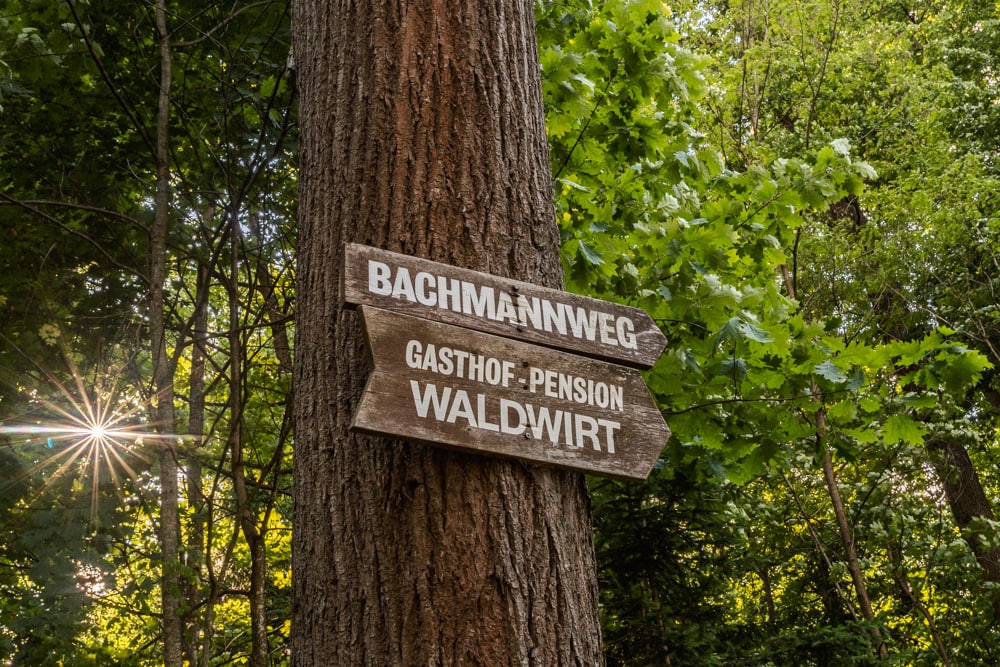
(761, 375)
(136, 184)
(792, 76)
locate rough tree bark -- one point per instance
(422, 132)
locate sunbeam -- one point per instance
(89, 429)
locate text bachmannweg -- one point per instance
(484, 302)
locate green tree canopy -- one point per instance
(802, 194)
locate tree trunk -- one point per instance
(169, 532)
(851, 552)
(846, 531)
(968, 502)
(197, 636)
(246, 515)
(422, 132)
(903, 584)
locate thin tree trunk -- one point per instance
(422, 132)
(899, 574)
(197, 638)
(277, 318)
(169, 533)
(847, 536)
(244, 509)
(765, 578)
(833, 489)
(850, 551)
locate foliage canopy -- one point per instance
(802, 194)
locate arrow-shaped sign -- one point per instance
(467, 390)
(502, 306)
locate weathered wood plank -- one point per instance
(509, 308)
(444, 385)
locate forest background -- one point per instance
(802, 193)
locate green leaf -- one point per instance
(870, 404)
(900, 428)
(831, 372)
(590, 255)
(731, 330)
(865, 436)
(736, 328)
(856, 380)
(735, 369)
(572, 184)
(756, 334)
(958, 371)
(843, 412)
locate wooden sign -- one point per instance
(501, 306)
(477, 392)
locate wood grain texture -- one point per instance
(476, 392)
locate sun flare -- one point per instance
(91, 431)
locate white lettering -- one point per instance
(545, 422)
(508, 373)
(626, 333)
(378, 278)
(403, 286)
(479, 301)
(430, 359)
(506, 406)
(536, 377)
(413, 350)
(462, 407)
(529, 311)
(607, 329)
(609, 428)
(461, 356)
(551, 382)
(449, 289)
(616, 401)
(565, 387)
(601, 395)
(446, 361)
(505, 309)
(511, 418)
(425, 282)
(554, 315)
(582, 322)
(475, 367)
(486, 302)
(575, 388)
(493, 371)
(586, 427)
(430, 399)
(483, 422)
